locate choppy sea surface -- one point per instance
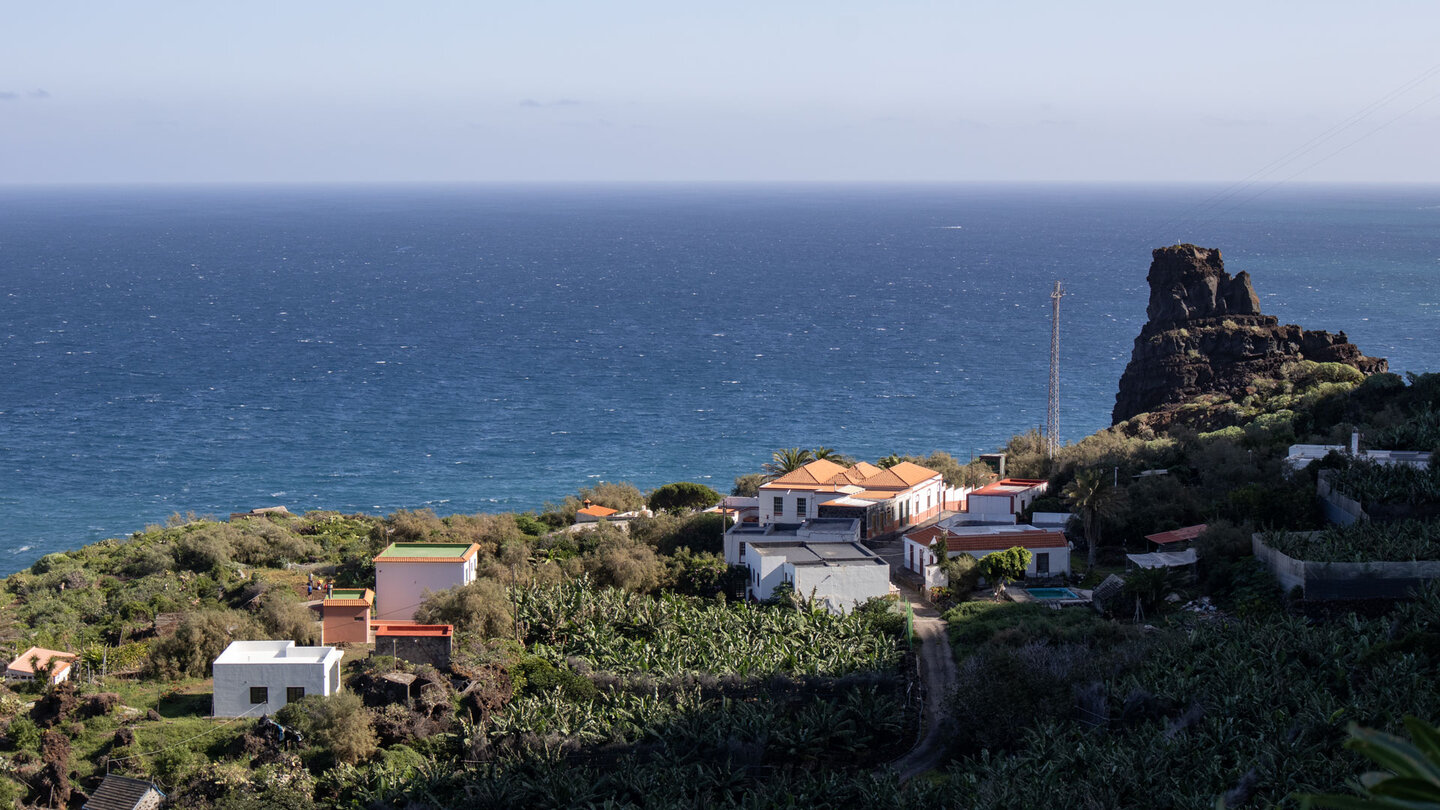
(493, 348)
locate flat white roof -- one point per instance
(264, 652)
(957, 525)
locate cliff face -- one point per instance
(1206, 335)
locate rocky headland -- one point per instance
(1206, 335)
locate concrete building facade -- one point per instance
(254, 678)
(838, 575)
(345, 616)
(405, 573)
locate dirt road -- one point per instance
(937, 675)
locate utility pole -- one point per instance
(1052, 414)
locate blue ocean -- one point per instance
(493, 348)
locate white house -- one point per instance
(1004, 499)
(815, 530)
(1301, 455)
(884, 500)
(839, 575)
(253, 678)
(24, 666)
(1050, 551)
(406, 572)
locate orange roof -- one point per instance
(992, 542)
(412, 629)
(597, 511)
(827, 476)
(1009, 486)
(873, 495)
(366, 599)
(1177, 535)
(912, 474)
(817, 472)
(43, 658)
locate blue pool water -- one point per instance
(1052, 593)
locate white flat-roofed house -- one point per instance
(406, 572)
(1004, 499)
(815, 530)
(254, 678)
(27, 664)
(1050, 551)
(838, 575)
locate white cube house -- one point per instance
(254, 678)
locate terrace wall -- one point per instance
(1326, 581)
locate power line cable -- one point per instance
(1231, 191)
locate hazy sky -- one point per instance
(305, 90)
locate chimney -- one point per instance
(1355, 443)
(587, 503)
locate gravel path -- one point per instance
(937, 676)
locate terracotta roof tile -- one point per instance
(1177, 535)
(597, 511)
(44, 656)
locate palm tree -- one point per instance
(1093, 497)
(889, 461)
(831, 454)
(787, 460)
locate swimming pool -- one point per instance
(1052, 593)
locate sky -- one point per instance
(302, 91)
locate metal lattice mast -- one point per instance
(1052, 414)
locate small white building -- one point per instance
(1050, 551)
(1004, 499)
(838, 575)
(1301, 455)
(815, 530)
(405, 573)
(253, 678)
(26, 664)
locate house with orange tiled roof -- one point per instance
(1049, 548)
(38, 659)
(884, 500)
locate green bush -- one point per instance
(683, 496)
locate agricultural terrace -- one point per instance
(1371, 483)
(1362, 541)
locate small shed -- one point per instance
(345, 616)
(123, 793)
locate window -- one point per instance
(294, 693)
(742, 551)
(359, 618)
(799, 507)
(779, 506)
(1042, 563)
(259, 694)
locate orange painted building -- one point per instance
(345, 616)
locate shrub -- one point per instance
(337, 725)
(198, 640)
(683, 496)
(748, 485)
(285, 617)
(482, 607)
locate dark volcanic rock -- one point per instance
(1206, 335)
